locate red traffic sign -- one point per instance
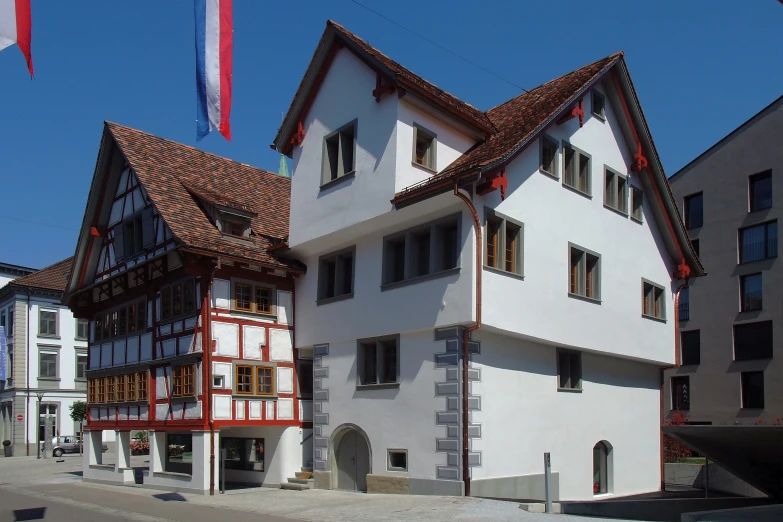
(20, 417)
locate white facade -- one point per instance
(518, 412)
(40, 362)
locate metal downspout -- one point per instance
(466, 340)
(663, 380)
(206, 346)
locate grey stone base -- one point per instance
(521, 487)
(179, 490)
(448, 488)
(387, 484)
(109, 482)
(322, 479)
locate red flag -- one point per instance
(15, 25)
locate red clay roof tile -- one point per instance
(52, 277)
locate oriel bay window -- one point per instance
(504, 243)
(378, 361)
(335, 274)
(177, 299)
(653, 300)
(255, 298)
(425, 250)
(584, 278)
(183, 380)
(254, 379)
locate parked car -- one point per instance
(69, 444)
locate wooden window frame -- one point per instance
(183, 380)
(584, 282)
(653, 300)
(430, 159)
(616, 190)
(120, 388)
(254, 370)
(251, 375)
(253, 287)
(544, 143)
(502, 251)
(572, 177)
(130, 387)
(175, 293)
(107, 323)
(110, 389)
(92, 390)
(227, 220)
(601, 114)
(142, 388)
(258, 376)
(101, 397)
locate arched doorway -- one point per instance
(352, 460)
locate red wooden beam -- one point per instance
(381, 88)
(577, 111)
(493, 181)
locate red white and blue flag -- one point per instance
(214, 47)
(15, 25)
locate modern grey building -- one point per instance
(730, 368)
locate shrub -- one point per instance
(139, 447)
(6, 442)
(674, 450)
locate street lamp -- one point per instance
(40, 396)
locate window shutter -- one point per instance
(148, 227)
(119, 243)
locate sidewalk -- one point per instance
(62, 480)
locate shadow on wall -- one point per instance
(521, 355)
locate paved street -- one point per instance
(33, 489)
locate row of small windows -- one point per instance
(127, 319)
(751, 391)
(759, 198)
(48, 323)
(577, 176)
(752, 341)
(133, 386)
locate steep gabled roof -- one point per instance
(394, 73)
(52, 278)
(173, 173)
(520, 118)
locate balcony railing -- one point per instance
(684, 311)
(759, 250)
(751, 301)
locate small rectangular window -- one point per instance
(420, 253)
(142, 385)
(615, 190)
(694, 210)
(82, 329)
(504, 243)
(81, 366)
(120, 388)
(398, 460)
(577, 169)
(653, 301)
(753, 341)
(110, 389)
(263, 300)
(234, 225)
(584, 276)
(242, 294)
(183, 380)
(47, 367)
(101, 397)
(304, 373)
(425, 147)
(760, 191)
(47, 323)
(690, 347)
(335, 274)
(598, 105)
(244, 379)
(753, 390)
(751, 291)
(92, 390)
(637, 204)
(130, 387)
(758, 242)
(684, 305)
(569, 370)
(217, 381)
(378, 361)
(179, 453)
(339, 153)
(548, 163)
(265, 380)
(395, 260)
(681, 396)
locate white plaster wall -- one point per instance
(345, 95)
(539, 306)
(523, 416)
(451, 144)
(401, 418)
(371, 312)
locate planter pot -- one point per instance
(8, 450)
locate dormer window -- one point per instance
(234, 225)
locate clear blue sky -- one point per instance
(701, 68)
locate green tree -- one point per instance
(79, 414)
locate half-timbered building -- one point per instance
(180, 270)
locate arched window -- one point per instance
(601, 468)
